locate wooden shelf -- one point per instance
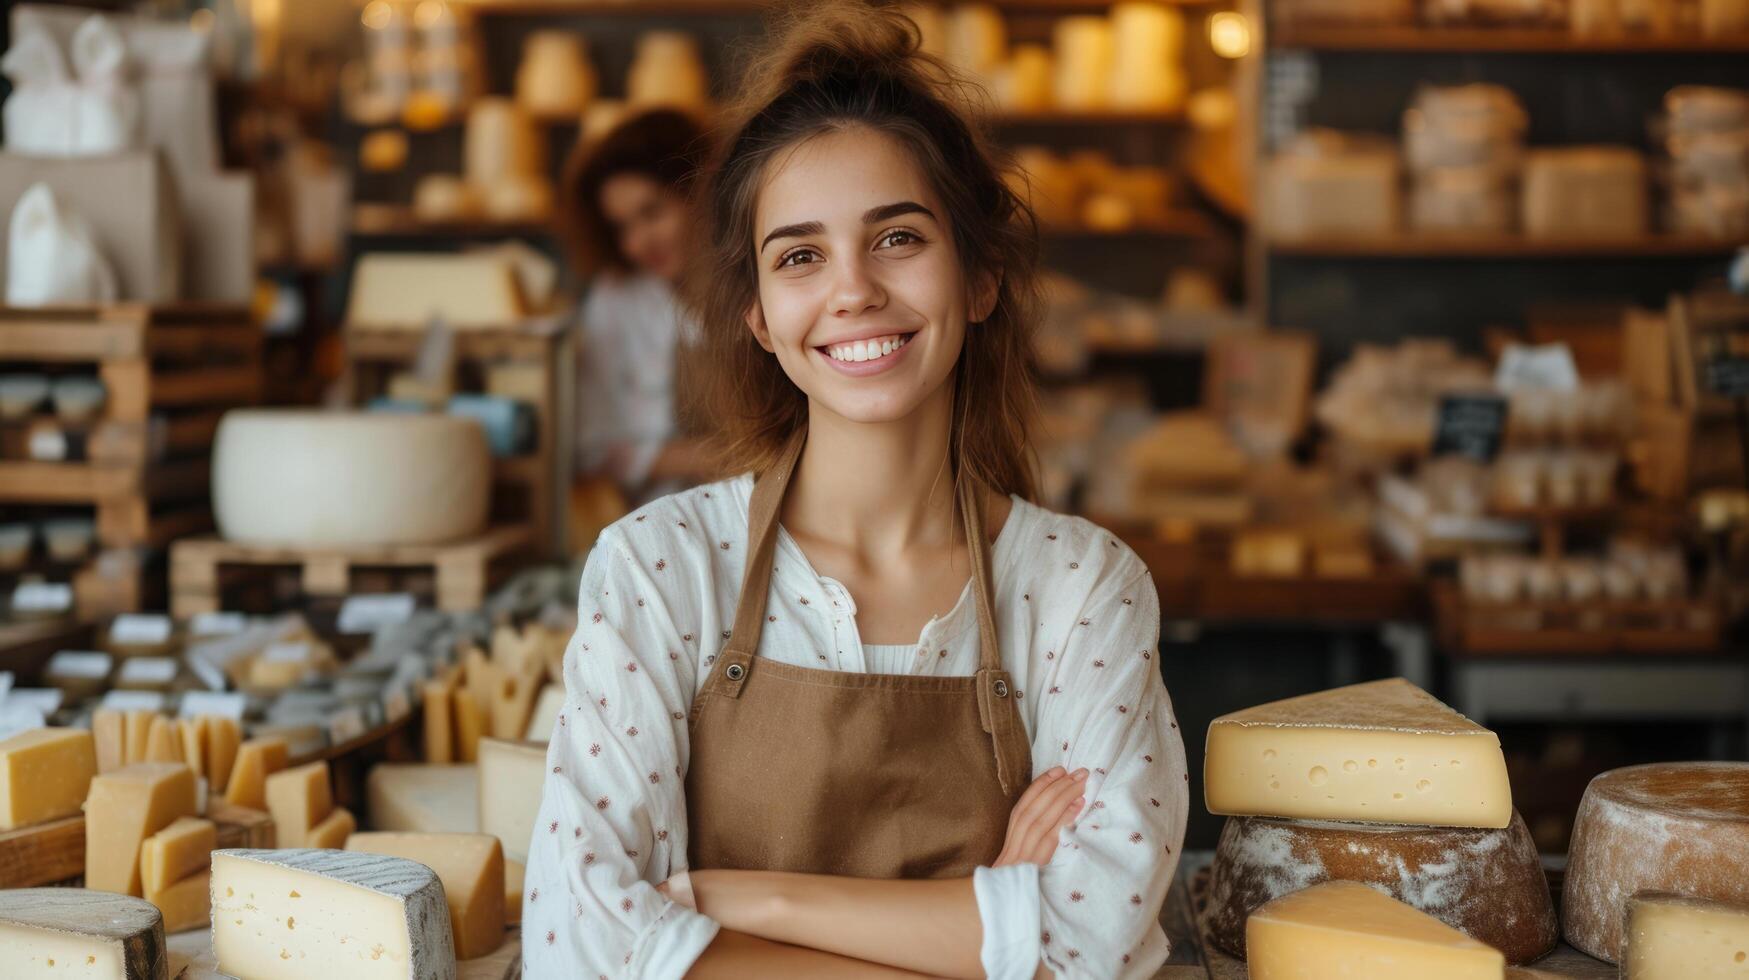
(1409, 246)
(1493, 41)
(745, 8)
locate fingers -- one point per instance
(1022, 807)
(1045, 814)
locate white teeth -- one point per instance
(866, 350)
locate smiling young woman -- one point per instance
(866, 709)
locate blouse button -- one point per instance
(735, 672)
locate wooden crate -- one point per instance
(464, 570)
(54, 852)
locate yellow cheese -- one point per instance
(512, 704)
(439, 721)
(257, 759)
(470, 725)
(1671, 938)
(174, 853)
(45, 774)
(471, 867)
(109, 728)
(163, 741)
(137, 725)
(512, 776)
(405, 796)
(480, 678)
(514, 873)
(1383, 752)
(222, 738)
(126, 807)
(332, 832)
(1346, 929)
(187, 904)
(193, 735)
(77, 934)
(299, 799)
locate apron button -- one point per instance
(735, 672)
(1001, 689)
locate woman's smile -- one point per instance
(861, 358)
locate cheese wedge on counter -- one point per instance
(194, 734)
(512, 776)
(223, 737)
(177, 851)
(471, 867)
(1344, 929)
(45, 774)
(79, 934)
(136, 726)
(299, 799)
(332, 832)
(428, 798)
(339, 915)
(1383, 752)
(163, 740)
(187, 904)
(1673, 938)
(126, 807)
(109, 729)
(257, 759)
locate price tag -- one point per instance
(42, 597)
(346, 724)
(133, 701)
(15, 718)
(148, 670)
(225, 704)
(369, 613)
(79, 663)
(138, 629)
(218, 624)
(1470, 425)
(284, 653)
(1549, 367)
(44, 699)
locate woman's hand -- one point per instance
(1051, 803)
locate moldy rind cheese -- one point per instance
(1384, 752)
(1678, 827)
(1486, 883)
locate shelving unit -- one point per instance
(1493, 40)
(1426, 246)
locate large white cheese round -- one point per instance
(349, 478)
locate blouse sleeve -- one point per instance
(613, 814)
(1095, 906)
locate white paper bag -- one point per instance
(52, 255)
(92, 110)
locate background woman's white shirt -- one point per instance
(1078, 623)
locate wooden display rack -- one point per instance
(169, 371)
(54, 852)
(525, 364)
(1684, 625)
(465, 570)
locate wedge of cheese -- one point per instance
(295, 914)
(1382, 752)
(1346, 929)
(471, 867)
(45, 774)
(257, 759)
(512, 777)
(75, 933)
(1672, 938)
(414, 797)
(126, 807)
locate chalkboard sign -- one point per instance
(1470, 425)
(1727, 376)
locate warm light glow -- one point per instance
(201, 21)
(377, 14)
(429, 14)
(1230, 34)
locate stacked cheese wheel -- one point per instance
(1374, 785)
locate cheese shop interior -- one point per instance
(1401, 339)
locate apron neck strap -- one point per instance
(763, 510)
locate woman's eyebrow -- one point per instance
(880, 213)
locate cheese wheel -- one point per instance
(317, 479)
(1486, 883)
(1675, 827)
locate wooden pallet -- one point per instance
(54, 852)
(464, 569)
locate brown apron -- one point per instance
(833, 772)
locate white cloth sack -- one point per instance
(94, 110)
(52, 255)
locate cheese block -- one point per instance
(468, 291)
(45, 774)
(512, 704)
(80, 934)
(470, 724)
(296, 914)
(193, 735)
(257, 759)
(424, 798)
(333, 830)
(109, 729)
(439, 720)
(471, 867)
(1486, 883)
(174, 853)
(299, 799)
(137, 726)
(515, 872)
(163, 741)
(1585, 192)
(1673, 938)
(126, 807)
(1345, 929)
(1384, 752)
(1677, 827)
(349, 479)
(512, 776)
(186, 904)
(546, 713)
(223, 736)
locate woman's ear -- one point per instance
(985, 288)
(755, 317)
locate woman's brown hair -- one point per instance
(834, 66)
(666, 145)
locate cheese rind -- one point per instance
(1345, 929)
(1384, 752)
(89, 935)
(471, 867)
(512, 777)
(1673, 938)
(329, 914)
(125, 807)
(412, 797)
(45, 774)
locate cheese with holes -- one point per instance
(349, 478)
(471, 867)
(1672, 938)
(1384, 752)
(223, 736)
(1486, 883)
(109, 729)
(177, 851)
(416, 797)
(299, 799)
(296, 914)
(512, 776)
(45, 774)
(126, 807)
(546, 713)
(257, 759)
(79, 934)
(1345, 929)
(333, 830)
(1676, 827)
